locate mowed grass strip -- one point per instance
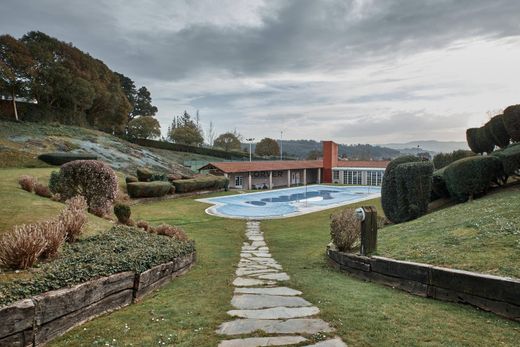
(482, 235)
(18, 206)
(188, 310)
(369, 314)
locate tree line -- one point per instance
(71, 87)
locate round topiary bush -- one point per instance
(470, 177)
(471, 139)
(485, 141)
(122, 212)
(389, 187)
(498, 131)
(511, 120)
(92, 179)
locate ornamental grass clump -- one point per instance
(92, 179)
(27, 182)
(42, 190)
(21, 247)
(170, 231)
(142, 224)
(74, 218)
(54, 233)
(345, 229)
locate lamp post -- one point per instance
(250, 140)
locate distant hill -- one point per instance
(302, 148)
(429, 146)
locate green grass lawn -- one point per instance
(20, 207)
(368, 314)
(482, 235)
(186, 311)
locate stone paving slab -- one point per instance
(268, 291)
(335, 342)
(252, 271)
(255, 301)
(275, 326)
(263, 341)
(247, 282)
(281, 276)
(276, 312)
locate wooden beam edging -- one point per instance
(41, 318)
(500, 295)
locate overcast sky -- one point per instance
(361, 71)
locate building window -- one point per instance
(374, 177)
(335, 175)
(352, 177)
(238, 181)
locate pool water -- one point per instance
(288, 202)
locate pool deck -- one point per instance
(301, 206)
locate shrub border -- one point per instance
(41, 318)
(499, 295)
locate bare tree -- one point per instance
(210, 135)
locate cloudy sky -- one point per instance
(359, 71)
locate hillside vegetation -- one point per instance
(21, 143)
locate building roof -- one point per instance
(246, 166)
(380, 164)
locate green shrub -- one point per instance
(470, 177)
(485, 141)
(130, 179)
(61, 158)
(54, 182)
(510, 158)
(345, 229)
(511, 120)
(471, 139)
(414, 184)
(122, 212)
(92, 179)
(144, 175)
(158, 177)
(148, 189)
(441, 160)
(120, 249)
(439, 189)
(201, 183)
(389, 186)
(498, 131)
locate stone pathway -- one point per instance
(262, 304)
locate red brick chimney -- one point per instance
(330, 159)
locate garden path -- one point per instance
(261, 304)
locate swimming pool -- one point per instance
(289, 202)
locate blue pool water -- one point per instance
(288, 202)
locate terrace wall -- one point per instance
(36, 321)
(491, 293)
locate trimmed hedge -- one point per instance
(191, 149)
(439, 189)
(200, 183)
(130, 179)
(511, 120)
(61, 158)
(485, 142)
(389, 186)
(148, 189)
(119, 249)
(414, 185)
(498, 131)
(510, 158)
(144, 175)
(472, 176)
(472, 140)
(441, 160)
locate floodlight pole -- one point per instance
(250, 144)
(281, 145)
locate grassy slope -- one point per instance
(482, 235)
(186, 311)
(367, 314)
(20, 207)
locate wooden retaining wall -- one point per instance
(36, 321)
(496, 294)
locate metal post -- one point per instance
(250, 144)
(281, 145)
